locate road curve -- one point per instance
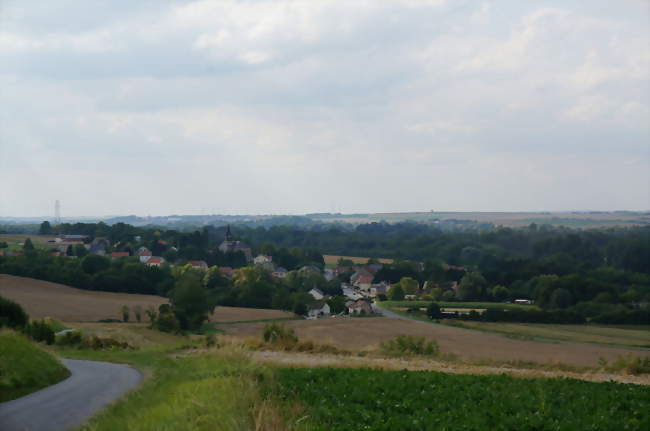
(68, 404)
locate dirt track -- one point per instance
(366, 334)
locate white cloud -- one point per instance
(298, 106)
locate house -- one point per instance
(329, 274)
(98, 246)
(119, 254)
(144, 254)
(351, 293)
(200, 264)
(263, 260)
(279, 272)
(360, 307)
(378, 289)
(230, 245)
(363, 281)
(317, 293)
(523, 301)
(155, 261)
(318, 309)
(310, 268)
(226, 271)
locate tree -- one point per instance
(125, 313)
(94, 263)
(409, 285)
(137, 310)
(45, 228)
(433, 311)
(500, 293)
(396, 292)
(190, 301)
(449, 295)
(337, 304)
(80, 250)
(436, 293)
(27, 245)
(561, 298)
(471, 286)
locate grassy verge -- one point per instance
(25, 368)
(219, 389)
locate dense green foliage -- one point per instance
(12, 314)
(25, 368)
(369, 399)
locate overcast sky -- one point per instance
(287, 106)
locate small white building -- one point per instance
(317, 293)
(351, 293)
(316, 310)
(263, 260)
(155, 261)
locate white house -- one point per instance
(263, 260)
(317, 293)
(351, 293)
(155, 261)
(318, 309)
(360, 307)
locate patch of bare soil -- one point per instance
(292, 359)
(357, 334)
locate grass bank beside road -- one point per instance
(218, 389)
(25, 368)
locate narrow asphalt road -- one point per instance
(387, 313)
(68, 404)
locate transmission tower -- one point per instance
(57, 212)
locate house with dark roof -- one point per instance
(318, 309)
(360, 307)
(279, 272)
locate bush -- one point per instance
(97, 343)
(408, 345)
(167, 322)
(12, 314)
(280, 335)
(38, 330)
(71, 338)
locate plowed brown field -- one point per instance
(44, 299)
(367, 333)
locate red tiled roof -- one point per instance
(365, 279)
(120, 254)
(155, 259)
(200, 263)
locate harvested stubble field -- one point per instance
(358, 334)
(45, 299)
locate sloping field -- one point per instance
(367, 333)
(44, 299)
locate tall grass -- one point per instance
(24, 367)
(218, 390)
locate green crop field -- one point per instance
(368, 399)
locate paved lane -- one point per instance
(68, 404)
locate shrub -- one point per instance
(280, 335)
(71, 338)
(167, 322)
(408, 345)
(12, 314)
(631, 365)
(125, 313)
(38, 330)
(98, 343)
